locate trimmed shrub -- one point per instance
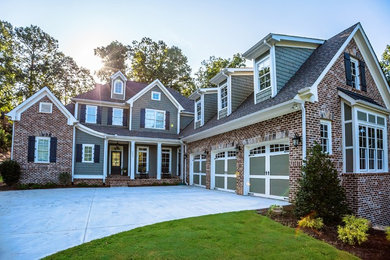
(354, 231)
(311, 222)
(65, 178)
(273, 210)
(10, 171)
(388, 233)
(320, 190)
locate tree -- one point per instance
(385, 63)
(151, 60)
(213, 65)
(8, 70)
(320, 191)
(114, 57)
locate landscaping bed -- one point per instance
(376, 247)
(33, 186)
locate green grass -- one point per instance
(237, 235)
(1, 179)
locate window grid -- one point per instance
(165, 160)
(154, 119)
(142, 160)
(325, 136)
(117, 116)
(198, 110)
(257, 150)
(88, 150)
(224, 97)
(232, 153)
(220, 155)
(279, 148)
(91, 114)
(264, 74)
(355, 74)
(118, 87)
(42, 149)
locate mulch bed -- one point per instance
(376, 247)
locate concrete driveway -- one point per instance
(37, 223)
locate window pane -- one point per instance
(371, 118)
(91, 112)
(347, 112)
(118, 86)
(224, 97)
(117, 116)
(380, 120)
(264, 75)
(43, 150)
(363, 146)
(349, 160)
(362, 116)
(348, 134)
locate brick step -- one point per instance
(118, 181)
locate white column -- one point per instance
(159, 161)
(132, 160)
(105, 159)
(128, 158)
(182, 162)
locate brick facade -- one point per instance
(33, 123)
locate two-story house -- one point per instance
(249, 134)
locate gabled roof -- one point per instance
(163, 89)
(225, 72)
(357, 99)
(17, 111)
(118, 74)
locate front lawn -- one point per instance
(240, 235)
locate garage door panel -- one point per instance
(219, 182)
(257, 166)
(279, 187)
(219, 166)
(203, 167)
(203, 179)
(196, 166)
(232, 166)
(196, 179)
(279, 164)
(231, 183)
(257, 185)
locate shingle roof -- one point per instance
(112, 130)
(307, 74)
(357, 96)
(103, 93)
(70, 108)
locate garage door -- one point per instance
(269, 170)
(225, 170)
(199, 170)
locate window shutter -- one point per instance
(99, 115)
(142, 119)
(347, 64)
(96, 153)
(79, 150)
(109, 116)
(362, 72)
(53, 149)
(167, 120)
(125, 116)
(83, 110)
(31, 149)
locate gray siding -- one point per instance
(185, 121)
(89, 168)
(223, 112)
(242, 87)
(210, 106)
(197, 124)
(263, 95)
(288, 60)
(146, 102)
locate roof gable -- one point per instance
(17, 111)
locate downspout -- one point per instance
(13, 138)
(185, 165)
(73, 150)
(303, 131)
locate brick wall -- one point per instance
(33, 123)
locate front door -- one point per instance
(116, 162)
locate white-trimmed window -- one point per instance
(45, 107)
(198, 112)
(42, 149)
(371, 135)
(117, 116)
(91, 114)
(142, 159)
(118, 86)
(355, 73)
(166, 154)
(263, 70)
(326, 136)
(88, 153)
(224, 96)
(154, 119)
(156, 95)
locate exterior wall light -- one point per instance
(296, 140)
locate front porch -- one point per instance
(139, 163)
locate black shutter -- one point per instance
(167, 120)
(99, 115)
(31, 149)
(362, 72)
(79, 150)
(109, 116)
(347, 64)
(53, 149)
(125, 116)
(96, 153)
(142, 118)
(82, 113)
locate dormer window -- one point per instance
(198, 114)
(264, 74)
(118, 87)
(224, 96)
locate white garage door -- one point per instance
(269, 170)
(225, 166)
(198, 171)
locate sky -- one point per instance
(200, 28)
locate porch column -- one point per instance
(105, 159)
(159, 161)
(132, 160)
(182, 162)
